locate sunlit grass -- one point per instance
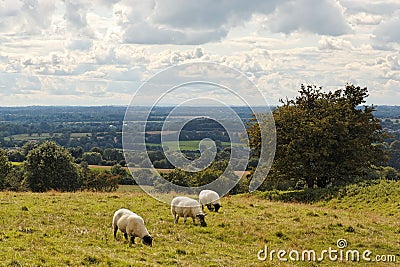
(61, 229)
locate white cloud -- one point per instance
(30, 16)
(317, 16)
(15, 83)
(393, 86)
(143, 33)
(79, 44)
(375, 7)
(54, 85)
(155, 22)
(116, 73)
(334, 43)
(193, 23)
(208, 14)
(364, 18)
(104, 53)
(391, 62)
(168, 58)
(10, 8)
(100, 52)
(387, 33)
(75, 13)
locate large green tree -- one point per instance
(323, 137)
(50, 166)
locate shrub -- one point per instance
(99, 181)
(92, 158)
(14, 179)
(5, 167)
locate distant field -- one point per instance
(74, 229)
(24, 137)
(184, 145)
(190, 145)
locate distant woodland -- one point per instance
(84, 129)
(324, 139)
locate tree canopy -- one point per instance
(50, 166)
(323, 137)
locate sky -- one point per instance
(99, 52)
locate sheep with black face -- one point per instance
(210, 199)
(132, 225)
(187, 207)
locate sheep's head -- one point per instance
(217, 207)
(200, 218)
(148, 240)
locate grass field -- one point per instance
(74, 229)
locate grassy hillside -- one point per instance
(74, 229)
(382, 197)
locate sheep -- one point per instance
(117, 215)
(187, 207)
(211, 199)
(131, 225)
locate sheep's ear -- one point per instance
(205, 214)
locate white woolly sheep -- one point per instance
(187, 207)
(131, 225)
(211, 199)
(117, 215)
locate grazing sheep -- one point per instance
(131, 225)
(187, 207)
(117, 215)
(210, 199)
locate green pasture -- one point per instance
(74, 229)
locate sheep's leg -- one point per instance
(126, 235)
(184, 218)
(202, 207)
(115, 232)
(194, 220)
(176, 216)
(132, 239)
